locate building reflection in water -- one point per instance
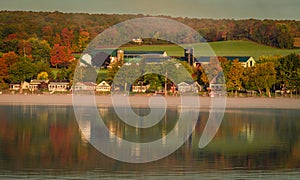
(85, 128)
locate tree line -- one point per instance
(270, 74)
(82, 26)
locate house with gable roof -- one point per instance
(103, 87)
(245, 61)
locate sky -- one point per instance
(216, 9)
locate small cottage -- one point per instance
(35, 84)
(140, 88)
(14, 87)
(184, 87)
(103, 87)
(84, 86)
(58, 86)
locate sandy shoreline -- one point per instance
(139, 100)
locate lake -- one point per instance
(45, 142)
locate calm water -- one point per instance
(45, 142)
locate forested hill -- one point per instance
(49, 25)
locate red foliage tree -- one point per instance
(60, 56)
(5, 62)
(4, 70)
(47, 32)
(10, 58)
(67, 37)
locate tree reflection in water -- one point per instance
(39, 138)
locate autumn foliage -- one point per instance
(61, 56)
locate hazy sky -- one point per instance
(237, 9)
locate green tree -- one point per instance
(9, 45)
(289, 71)
(115, 66)
(248, 78)
(40, 50)
(264, 77)
(283, 36)
(21, 71)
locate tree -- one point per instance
(60, 56)
(4, 71)
(9, 45)
(289, 69)
(42, 76)
(24, 48)
(283, 37)
(83, 40)
(40, 50)
(249, 79)
(264, 76)
(234, 76)
(47, 32)
(6, 61)
(200, 75)
(57, 39)
(115, 66)
(21, 71)
(67, 37)
(10, 58)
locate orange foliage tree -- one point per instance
(60, 56)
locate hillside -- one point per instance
(248, 48)
(222, 48)
(49, 25)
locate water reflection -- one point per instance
(46, 140)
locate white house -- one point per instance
(245, 61)
(140, 88)
(34, 84)
(103, 87)
(84, 86)
(184, 87)
(58, 86)
(14, 87)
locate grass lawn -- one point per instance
(247, 48)
(102, 75)
(222, 48)
(172, 50)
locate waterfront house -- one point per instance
(216, 89)
(84, 86)
(58, 86)
(140, 88)
(184, 87)
(35, 84)
(103, 87)
(14, 87)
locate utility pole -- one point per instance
(166, 78)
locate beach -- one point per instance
(142, 101)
